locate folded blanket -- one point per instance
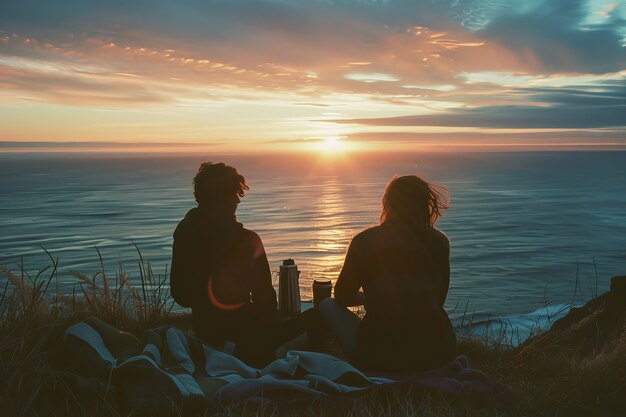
(170, 367)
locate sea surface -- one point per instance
(527, 230)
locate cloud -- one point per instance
(71, 87)
(91, 145)
(594, 106)
(510, 117)
(415, 41)
(295, 44)
(107, 146)
(553, 34)
(556, 136)
(488, 64)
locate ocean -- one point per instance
(527, 230)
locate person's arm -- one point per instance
(347, 287)
(445, 267)
(180, 275)
(263, 295)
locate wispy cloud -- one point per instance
(281, 63)
(576, 107)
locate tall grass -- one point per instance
(550, 374)
(28, 298)
(120, 303)
(34, 315)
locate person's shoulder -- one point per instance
(251, 238)
(440, 237)
(251, 242)
(250, 235)
(368, 234)
(187, 224)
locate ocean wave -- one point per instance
(514, 329)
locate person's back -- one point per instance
(404, 276)
(402, 265)
(220, 269)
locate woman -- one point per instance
(403, 267)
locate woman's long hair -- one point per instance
(413, 201)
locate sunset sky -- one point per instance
(256, 75)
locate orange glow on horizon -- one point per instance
(325, 80)
(326, 152)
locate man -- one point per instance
(220, 270)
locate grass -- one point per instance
(577, 368)
(34, 315)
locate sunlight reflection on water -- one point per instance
(518, 223)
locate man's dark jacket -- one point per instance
(220, 270)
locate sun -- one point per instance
(332, 145)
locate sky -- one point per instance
(267, 75)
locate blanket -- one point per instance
(168, 366)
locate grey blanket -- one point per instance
(169, 367)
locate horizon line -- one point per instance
(102, 147)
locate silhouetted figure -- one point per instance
(220, 270)
(403, 267)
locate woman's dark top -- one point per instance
(405, 273)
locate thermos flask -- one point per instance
(288, 288)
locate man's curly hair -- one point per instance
(216, 182)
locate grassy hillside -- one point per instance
(577, 368)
